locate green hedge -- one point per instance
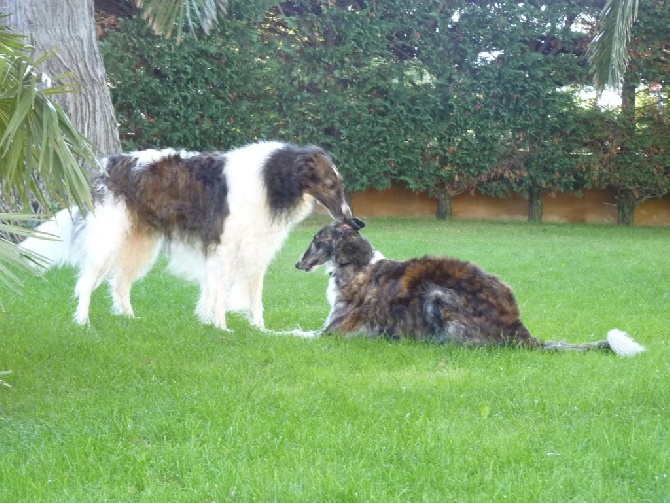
(443, 96)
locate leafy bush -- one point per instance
(445, 97)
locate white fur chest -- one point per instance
(331, 291)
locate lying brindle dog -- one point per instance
(430, 298)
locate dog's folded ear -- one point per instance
(356, 223)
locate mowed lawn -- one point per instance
(162, 409)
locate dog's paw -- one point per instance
(259, 326)
(120, 311)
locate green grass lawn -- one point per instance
(160, 408)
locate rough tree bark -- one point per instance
(625, 205)
(444, 205)
(69, 26)
(534, 204)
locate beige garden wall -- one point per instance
(594, 206)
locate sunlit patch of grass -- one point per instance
(161, 408)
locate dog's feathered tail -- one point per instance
(54, 241)
(617, 341)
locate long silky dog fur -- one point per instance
(220, 216)
(441, 299)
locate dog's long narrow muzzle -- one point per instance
(337, 206)
(339, 212)
(307, 265)
(300, 265)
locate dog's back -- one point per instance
(433, 298)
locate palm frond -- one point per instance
(40, 149)
(168, 16)
(12, 43)
(608, 55)
(12, 259)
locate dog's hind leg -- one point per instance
(103, 237)
(92, 274)
(256, 300)
(135, 259)
(445, 314)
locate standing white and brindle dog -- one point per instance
(221, 217)
(430, 298)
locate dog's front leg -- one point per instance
(333, 323)
(345, 320)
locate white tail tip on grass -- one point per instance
(622, 344)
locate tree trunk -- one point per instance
(625, 207)
(69, 27)
(444, 209)
(625, 199)
(534, 204)
(628, 106)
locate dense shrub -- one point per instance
(443, 96)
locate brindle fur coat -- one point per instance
(440, 299)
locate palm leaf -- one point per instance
(40, 150)
(39, 147)
(167, 16)
(608, 54)
(12, 259)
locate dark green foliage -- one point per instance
(202, 94)
(635, 155)
(641, 170)
(446, 97)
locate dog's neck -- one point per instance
(343, 272)
(351, 259)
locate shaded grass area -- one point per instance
(160, 408)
